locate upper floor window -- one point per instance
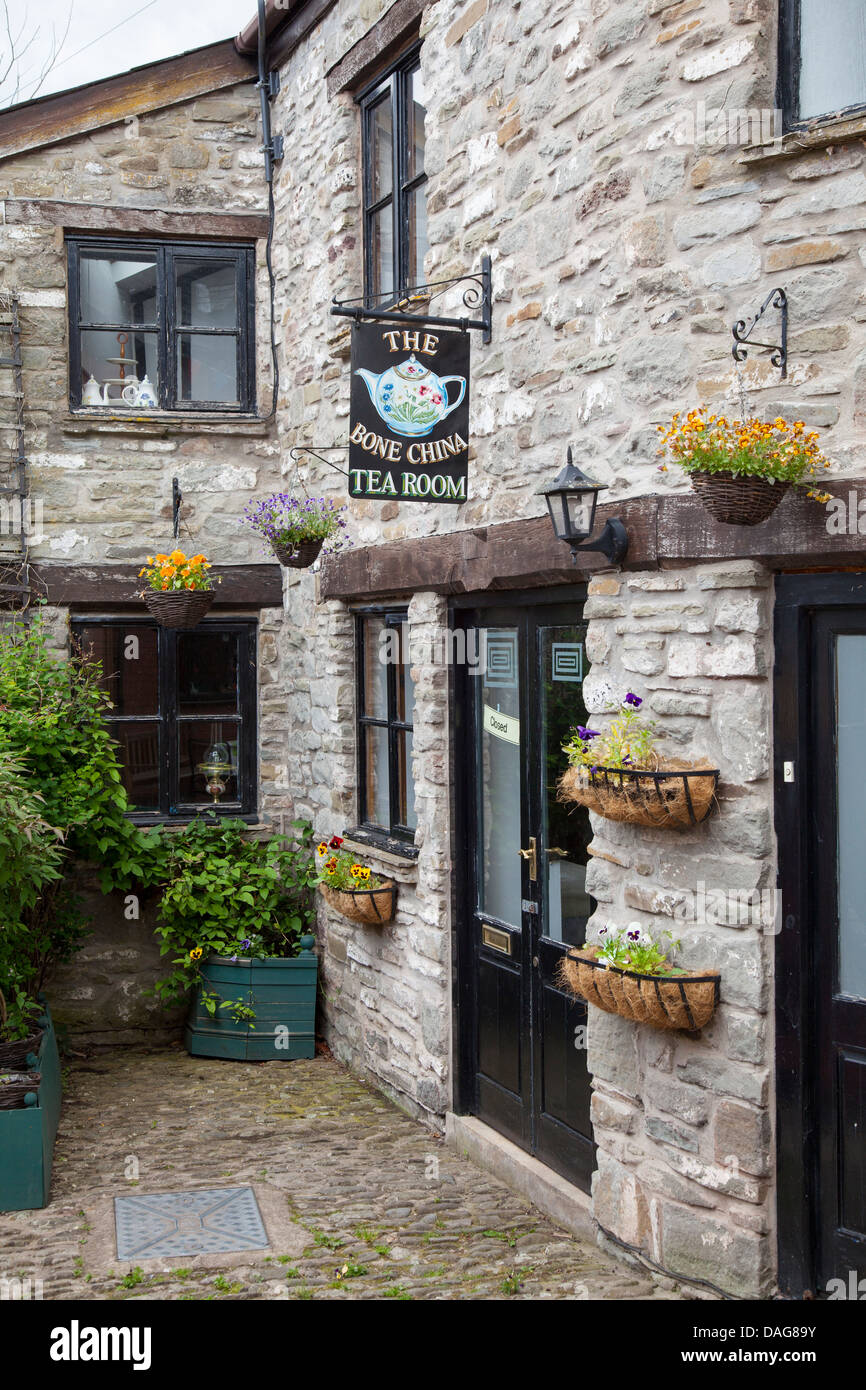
(386, 703)
(395, 211)
(822, 58)
(176, 697)
(179, 314)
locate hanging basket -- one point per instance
(737, 499)
(178, 608)
(663, 1001)
(373, 906)
(15, 1087)
(299, 556)
(673, 797)
(13, 1055)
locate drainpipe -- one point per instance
(272, 147)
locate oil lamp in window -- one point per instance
(216, 768)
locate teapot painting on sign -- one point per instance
(409, 397)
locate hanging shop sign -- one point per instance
(409, 407)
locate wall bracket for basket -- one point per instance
(478, 295)
(743, 330)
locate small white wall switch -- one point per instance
(788, 772)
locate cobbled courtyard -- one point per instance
(359, 1200)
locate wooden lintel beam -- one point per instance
(92, 586)
(107, 218)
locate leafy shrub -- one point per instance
(228, 894)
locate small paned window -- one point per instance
(386, 703)
(822, 61)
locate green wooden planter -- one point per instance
(27, 1136)
(283, 994)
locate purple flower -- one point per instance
(586, 734)
(634, 935)
(246, 944)
(602, 931)
(634, 700)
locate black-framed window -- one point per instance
(175, 694)
(386, 705)
(822, 58)
(395, 208)
(181, 313)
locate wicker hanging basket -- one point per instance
(737, 499)
(15, 1087)
(299, 556)
(673, 797)
(663, 1001)
(374, 907)
(178, 608)
(13, 1055)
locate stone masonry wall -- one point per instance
(684, 1124)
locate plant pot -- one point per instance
(27, 1133)
(675, 797)
(178, 608)
(299, 556)
(283, 994)
(663, 1001)
(14, 1055)
(19, 1089)
(374, 907)
(737, 499)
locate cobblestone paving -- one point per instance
(364, 1185)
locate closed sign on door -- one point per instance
(504, 726)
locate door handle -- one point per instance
(558, 853)
(532, 855)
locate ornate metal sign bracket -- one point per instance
(743, 330)
(478, 295)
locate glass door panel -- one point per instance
(566, 830)
(500, 775)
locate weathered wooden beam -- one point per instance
(106, 218)
(383, 41)
(34, 124)
(664, 532)
(93, 586)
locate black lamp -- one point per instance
(571, 500)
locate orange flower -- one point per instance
(177, 557)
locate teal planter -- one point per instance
(283, 994)
(27, 1136)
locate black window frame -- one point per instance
(168, 331)
(788, 82)
(401, 835)
(394, 86)
(171, 810)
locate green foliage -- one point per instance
(341, 870)
(631, 948)
(227, 894)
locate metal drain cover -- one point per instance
(215, 1220)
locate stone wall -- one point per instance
(684, 1124)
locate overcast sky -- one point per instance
(109, 38)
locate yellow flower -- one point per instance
(177, 557)
(322, 848)
(195, 953)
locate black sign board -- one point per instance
(409, 427)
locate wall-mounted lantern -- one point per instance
(571, 500)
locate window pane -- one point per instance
(99, 347)
(207, 673)
(851, 771)
(381, 150)
(139, 755)
(405, 684)
(194, 741)
(207, 368)
(381, 229)
(498, 773)
(406, 781)
(417, 112)
(206, 293)
(832, 56)
(128, 655)
(377, 805)
(375, 668)
(118, 288)
(418, 243)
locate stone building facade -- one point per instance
(627, 166)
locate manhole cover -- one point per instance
(212, 1221)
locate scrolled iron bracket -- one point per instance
(478, 296)
(743, 330)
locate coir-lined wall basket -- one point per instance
(674, 796)
(664, 1001)
(374, 907)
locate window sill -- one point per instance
(163, 422)
(386, 847)
(834, 130)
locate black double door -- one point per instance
(522, 891)
(821, 948)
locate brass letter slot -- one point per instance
(498, 940)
